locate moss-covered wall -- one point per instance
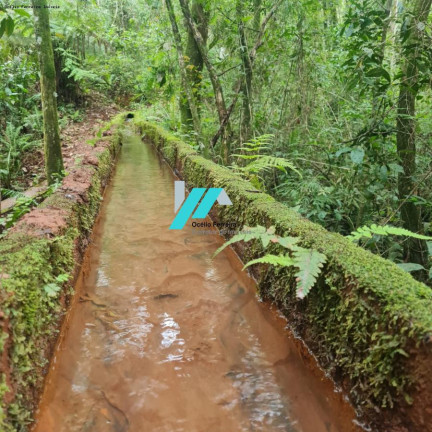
(368, 322)
(34, 265)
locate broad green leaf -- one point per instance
(10, 25)
(342, 151)
(379, 72)
(396, 168)
(51, 289)
(410, 267)
(271, 230)
(2, 27)
(357, 155)
(22, 12)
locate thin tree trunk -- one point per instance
(239, 84)
(53, 156)
(184, 76)
(393, 34)
(381, 55)
(247, 118)
(386, 26)
(194, 61)
(415, 249)
(257, 15)
(330, 13)
(83, 47)
(217, 87)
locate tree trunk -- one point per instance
(194, 62)
(386, 26)
(184, 76)
(238, 86)
(257, 15)
(53, 155)
(330, 13)
(415, 250)
(377, 93)
(217, 87)
(246, 124)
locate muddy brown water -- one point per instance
(161, 337)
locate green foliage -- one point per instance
(13, 146)
(7, 25)
(258, 163)
(33, 121)
(8, 20)
(368, 232)
(308, 261)
(22, 206)
(247, 234)
(322, 108)
(363, 27)
(72, 66)
(69, 113)
(275, 260)
(262, 163)
(53, 289)
(18, 77)
(375, 231)
(32, 312)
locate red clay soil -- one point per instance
(74, 138)
(80, 158)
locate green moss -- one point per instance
(366, 320)
(34, 313)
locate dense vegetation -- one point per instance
(323, 104)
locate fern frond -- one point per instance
(72, 65)
(246, 235)
(251, 149)
(288, 242)
(246, 157)
(386, 230)
(281, 260)
(309, 263)
(257, 145)
(266, 163)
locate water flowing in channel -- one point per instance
(163, 338)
